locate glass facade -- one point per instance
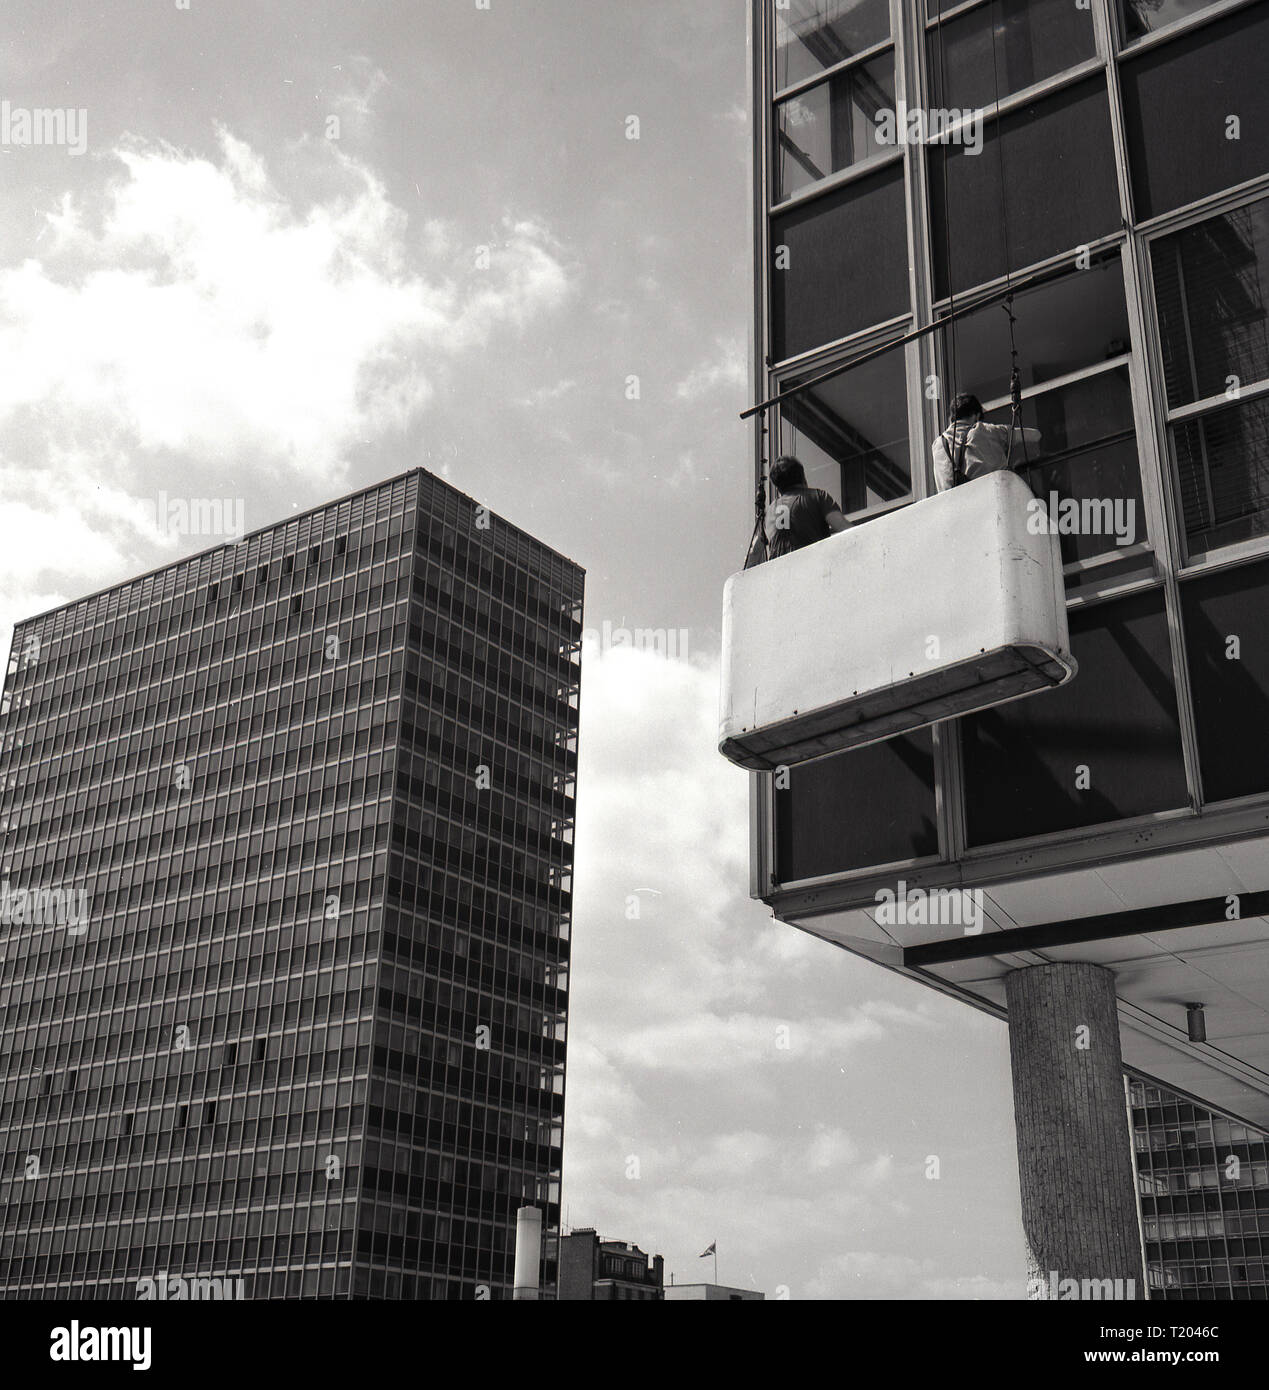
(1203, 1184)
(1132, 229)
(286, 843)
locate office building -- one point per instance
(310, 797)
(936, 188)
(711, 1293)
(593, 1268)
(1203, 1184)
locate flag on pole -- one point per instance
(713, 1250)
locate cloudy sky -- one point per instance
(296, 248)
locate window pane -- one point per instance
(832, 126)
(1231, 697)
(851, 433)
(1087, 454)
(1140, 17)
(824, 824)
(815, 34)
(847, 263)
(1034, 39)
(1178, 98)
(1222, 463)
(1062, 327)
(1117, 719)
(1060, 188)
(1209, 285)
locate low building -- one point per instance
(710, 1293)
(593, 1268)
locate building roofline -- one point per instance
(286, 521)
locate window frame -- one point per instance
(1125, 46)
(1025, 95)
(1185, 562)
(843, 352)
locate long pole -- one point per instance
(955, 313)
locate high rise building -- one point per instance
(286, 842)
(1203, 1183)
(943, 195)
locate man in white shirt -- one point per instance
(971, 448)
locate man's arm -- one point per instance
(943, 479)
(836, 521)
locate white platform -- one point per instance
(939, 609)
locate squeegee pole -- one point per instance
(839, 368)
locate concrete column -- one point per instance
(1075, 1166)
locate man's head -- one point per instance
(787, 472)
(966, 408)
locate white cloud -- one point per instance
(193, 310)
(865, 1274)
(727, 369)
(186, 323)
(730, 1077)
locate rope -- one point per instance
(949, 336)
(1015, 376)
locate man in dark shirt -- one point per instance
(800, 515)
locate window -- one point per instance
(824, 826)
(840, 263)
(1210, 285)
(1060, 189)
(1228, 658)
(1140, 17)
(812, 35)
(1103, 748)
(1087, 453)
(1013, 43)
(1179, 98)
(851, 434)
(1066, 325)
(831, 126)
(1073, 333)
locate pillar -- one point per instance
(1075, 1165)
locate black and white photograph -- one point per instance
(636, 652)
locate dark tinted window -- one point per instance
(851, 433)
(872, 806)
(1117, 719)
(1063, 326)
(847, 262)
(1227, 647)
(1087, 455)
(1222, 463)
(1178, 100)
(1060, 188)
(1210, 282)
(1033, 40)
(1139, 17)
(812, 35)
(829, 127)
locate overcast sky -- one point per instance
(262, 279)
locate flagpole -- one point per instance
(715, 1264)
